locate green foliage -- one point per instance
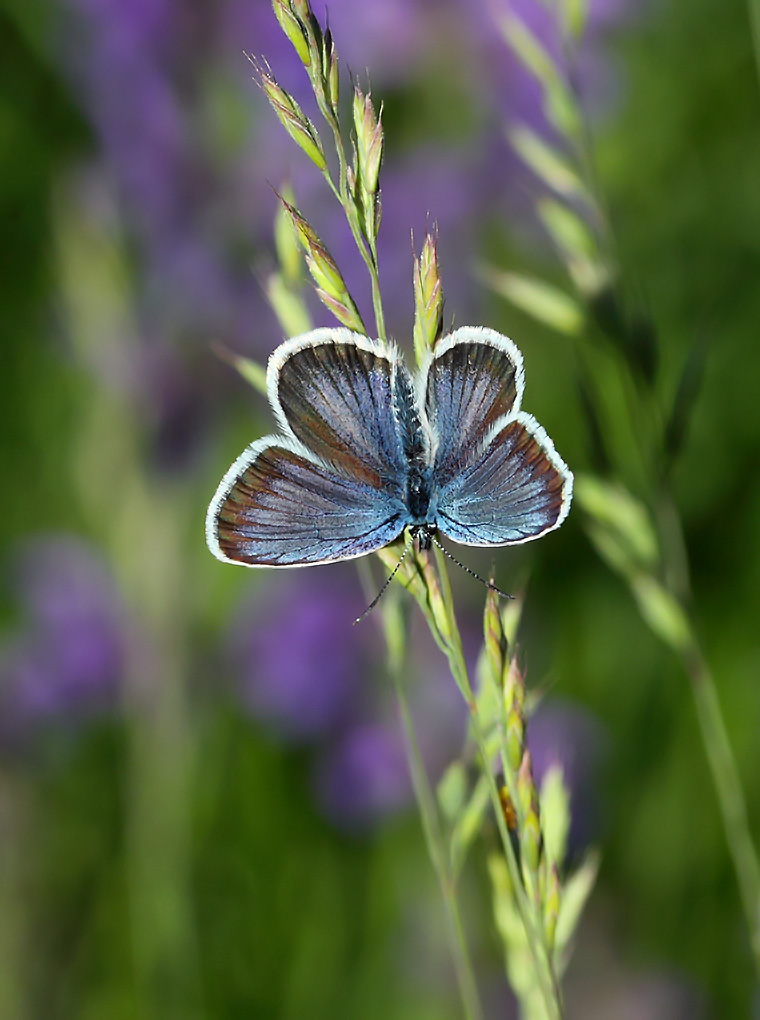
(541, 300)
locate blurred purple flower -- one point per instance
(500, 75)
(121, 67)
(424, 188)
(67, 660)
(299, 660)
(507, 94)
(564, 734)
(143, 75)
(189, 146)
(304, 670)
(390, 40)
(364, 775)
(157, 81)
(393, 37)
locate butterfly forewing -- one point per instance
(474, 378)
(336, 392)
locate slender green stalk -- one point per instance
(376, 303)
(368, 254)
(720, 756)
(15, 915)
(396, 645)
(547, 980)
(754, 20)
(645, 415)
(548, 983)
(536, 930)
(728, 787)
(435, 599)
(434, 837)
(147, 534)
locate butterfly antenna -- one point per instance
(380, 594)
(489, 584)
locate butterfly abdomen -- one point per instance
(420, 496)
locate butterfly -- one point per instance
(368, 450)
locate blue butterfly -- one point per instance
(367, 451)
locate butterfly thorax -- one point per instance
(421, 495)
(421, 500)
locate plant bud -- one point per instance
(428, 299)
(369, 140)
(551, 905)
(293, 119)
(495, 643)
(293, 29)
(345, 311)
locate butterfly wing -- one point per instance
(473, 378)
(278, 506)
(332, 487)
(342, 396)
(513, 488)
(500, 480)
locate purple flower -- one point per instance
(299, 660)
(121, 66)
(158, 79)
(364, 776)
(390, 39)
(425, 187)
(564, 734)
(505, 93)
(188, 145)
(67, 660)
(514, 91)
(305, 671)
(144, 78)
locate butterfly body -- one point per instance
(367, 451)
(420, 496)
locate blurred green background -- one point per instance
(204, 810)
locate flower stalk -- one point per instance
(357, 186)
(528, 892)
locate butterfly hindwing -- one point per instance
(515, 488)
(279, 507)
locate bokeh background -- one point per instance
(204, 804)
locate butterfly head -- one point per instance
(422, 535)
